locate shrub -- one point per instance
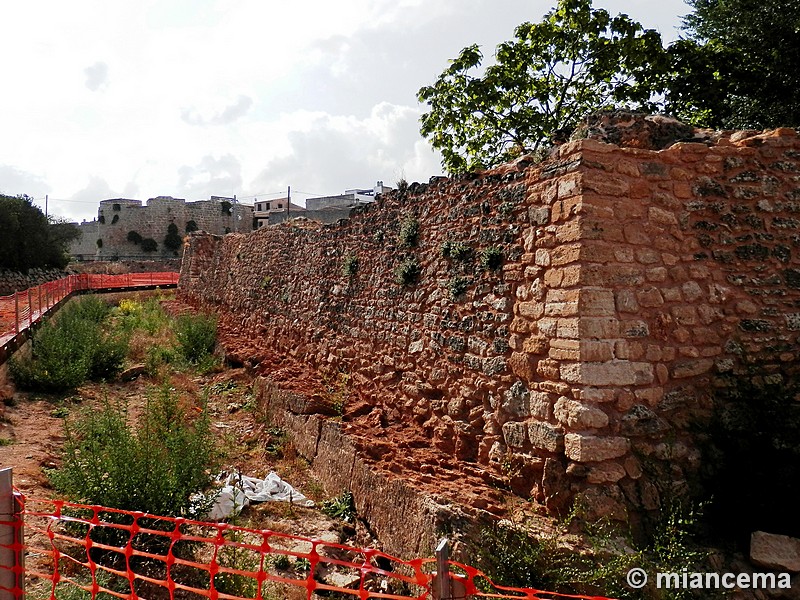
(407, 272)
(350, 265)
(457, 286)
(455, 250)
(408, 235)
(173, 241)
(71, 348)
(226, 208)
(191, 226)
(99, 243)
(116, 207)
(134, 237)
(149, 245)
(153, 466)
(114, 219)
(101, 219)
(196, 336)
(491, 258)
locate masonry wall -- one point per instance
(116, 218)
(632, 283)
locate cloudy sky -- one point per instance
(192, 98)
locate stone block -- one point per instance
(617, 372)
(596, 351)
(514, 434)
(649, 297)
(778, 552)
(607, 472)
(598, 327)
(545, 436)
(516, 400)
(577, 415)
(539, 215)
(691, 368)
(596, 303)
(590, 448)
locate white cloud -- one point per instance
(226, 116)
(211, 176)
(96, 76)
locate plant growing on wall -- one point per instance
(408, 271)
(350, 264)
(99, 243)
(173, 241)
(491, 258)
(101, 219)
(116, 207)
(457, 286)
(134, 237)
(191, 226)
(149, 245)
(455, 250)
(114, 219)
(226, 207)
(409, 232)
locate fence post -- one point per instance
(41, 310)
(441, 588)
(30, 309)
(16, 312)
(12, 566)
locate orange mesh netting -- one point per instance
(127, 554)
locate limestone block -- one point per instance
(516, 400)
(607, 472)
(545, 436)
(591, 448)
(596, 303)
(514, 434)
(617, 372)
(541, 405)
(577, 415)
(779, 552)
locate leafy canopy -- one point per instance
(29, 240)
(739, 67)
(577, 60)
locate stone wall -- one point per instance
(117, 217)
(14, 281)
(632, 283)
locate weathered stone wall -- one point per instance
(632, 282)
(14, 281)
(116, 218)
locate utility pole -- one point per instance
(46, 196)
(288, 200)
(234, 213)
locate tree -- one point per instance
(740, 66)
(577, 60)
(173, 240)
(29, 240)
(149, 245)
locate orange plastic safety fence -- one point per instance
(20, 310)
(132, 555)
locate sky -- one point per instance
(194, 98)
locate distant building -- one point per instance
(267, 211)
(124, 226)
(329, 209)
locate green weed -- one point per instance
(408, 236)
(408, 271)
(196, 336)
(342, 507)
(153, 466)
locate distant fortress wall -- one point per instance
(107, 236)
